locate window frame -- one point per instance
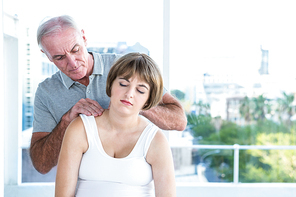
(2, 88)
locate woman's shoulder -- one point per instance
(144, 122)
(158, 147)
(76, 124)
(75, 133)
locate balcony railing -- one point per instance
(236, 150)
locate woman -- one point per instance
(119, 153)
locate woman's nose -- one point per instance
(129, 93)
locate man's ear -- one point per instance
(83, 37)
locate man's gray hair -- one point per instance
(55, 25)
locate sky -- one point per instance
(212, 36)
(225, 37)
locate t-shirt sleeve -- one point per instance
(43, 119)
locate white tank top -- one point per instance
(104, 176)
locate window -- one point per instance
(236, 78)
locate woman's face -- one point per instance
(129, 95)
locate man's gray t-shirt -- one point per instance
(58, 94)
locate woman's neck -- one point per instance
(121, 123)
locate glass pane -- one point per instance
(203, 165)
(232, 67)
(113, 26)
(271, 166)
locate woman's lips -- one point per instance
(126, 102)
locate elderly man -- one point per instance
(78, 88)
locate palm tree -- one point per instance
(261, 107)
(285, 106)
(245, 109)
(203, 108)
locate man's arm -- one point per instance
(45, 146)
(168, 114)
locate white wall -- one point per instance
(1, 105)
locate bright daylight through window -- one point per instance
(233, 66)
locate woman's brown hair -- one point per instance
(143, 66)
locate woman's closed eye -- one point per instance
(121, 84)
(141, 92)
(125, 85)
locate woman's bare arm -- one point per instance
(160, 157)
(73, 146)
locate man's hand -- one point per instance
(45, 146)
(86, 106)
(168, 114)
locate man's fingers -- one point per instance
(95, 106)
(95, 103)
(90, 107)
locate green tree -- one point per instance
(254, 165)
(200, 125)
(279, 165)
(245, 109)
(285, 106)
(261, 107)
(202, 108)
(178, 94)
(229, 134)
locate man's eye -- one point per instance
(76, 50)
(121, 84)
(60, 58)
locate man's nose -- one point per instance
(72, 61)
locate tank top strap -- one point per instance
(90, 128)
(147, 137)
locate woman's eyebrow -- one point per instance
(144, 86)
(124, 79)
(141, 85)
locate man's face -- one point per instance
(67, 50)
